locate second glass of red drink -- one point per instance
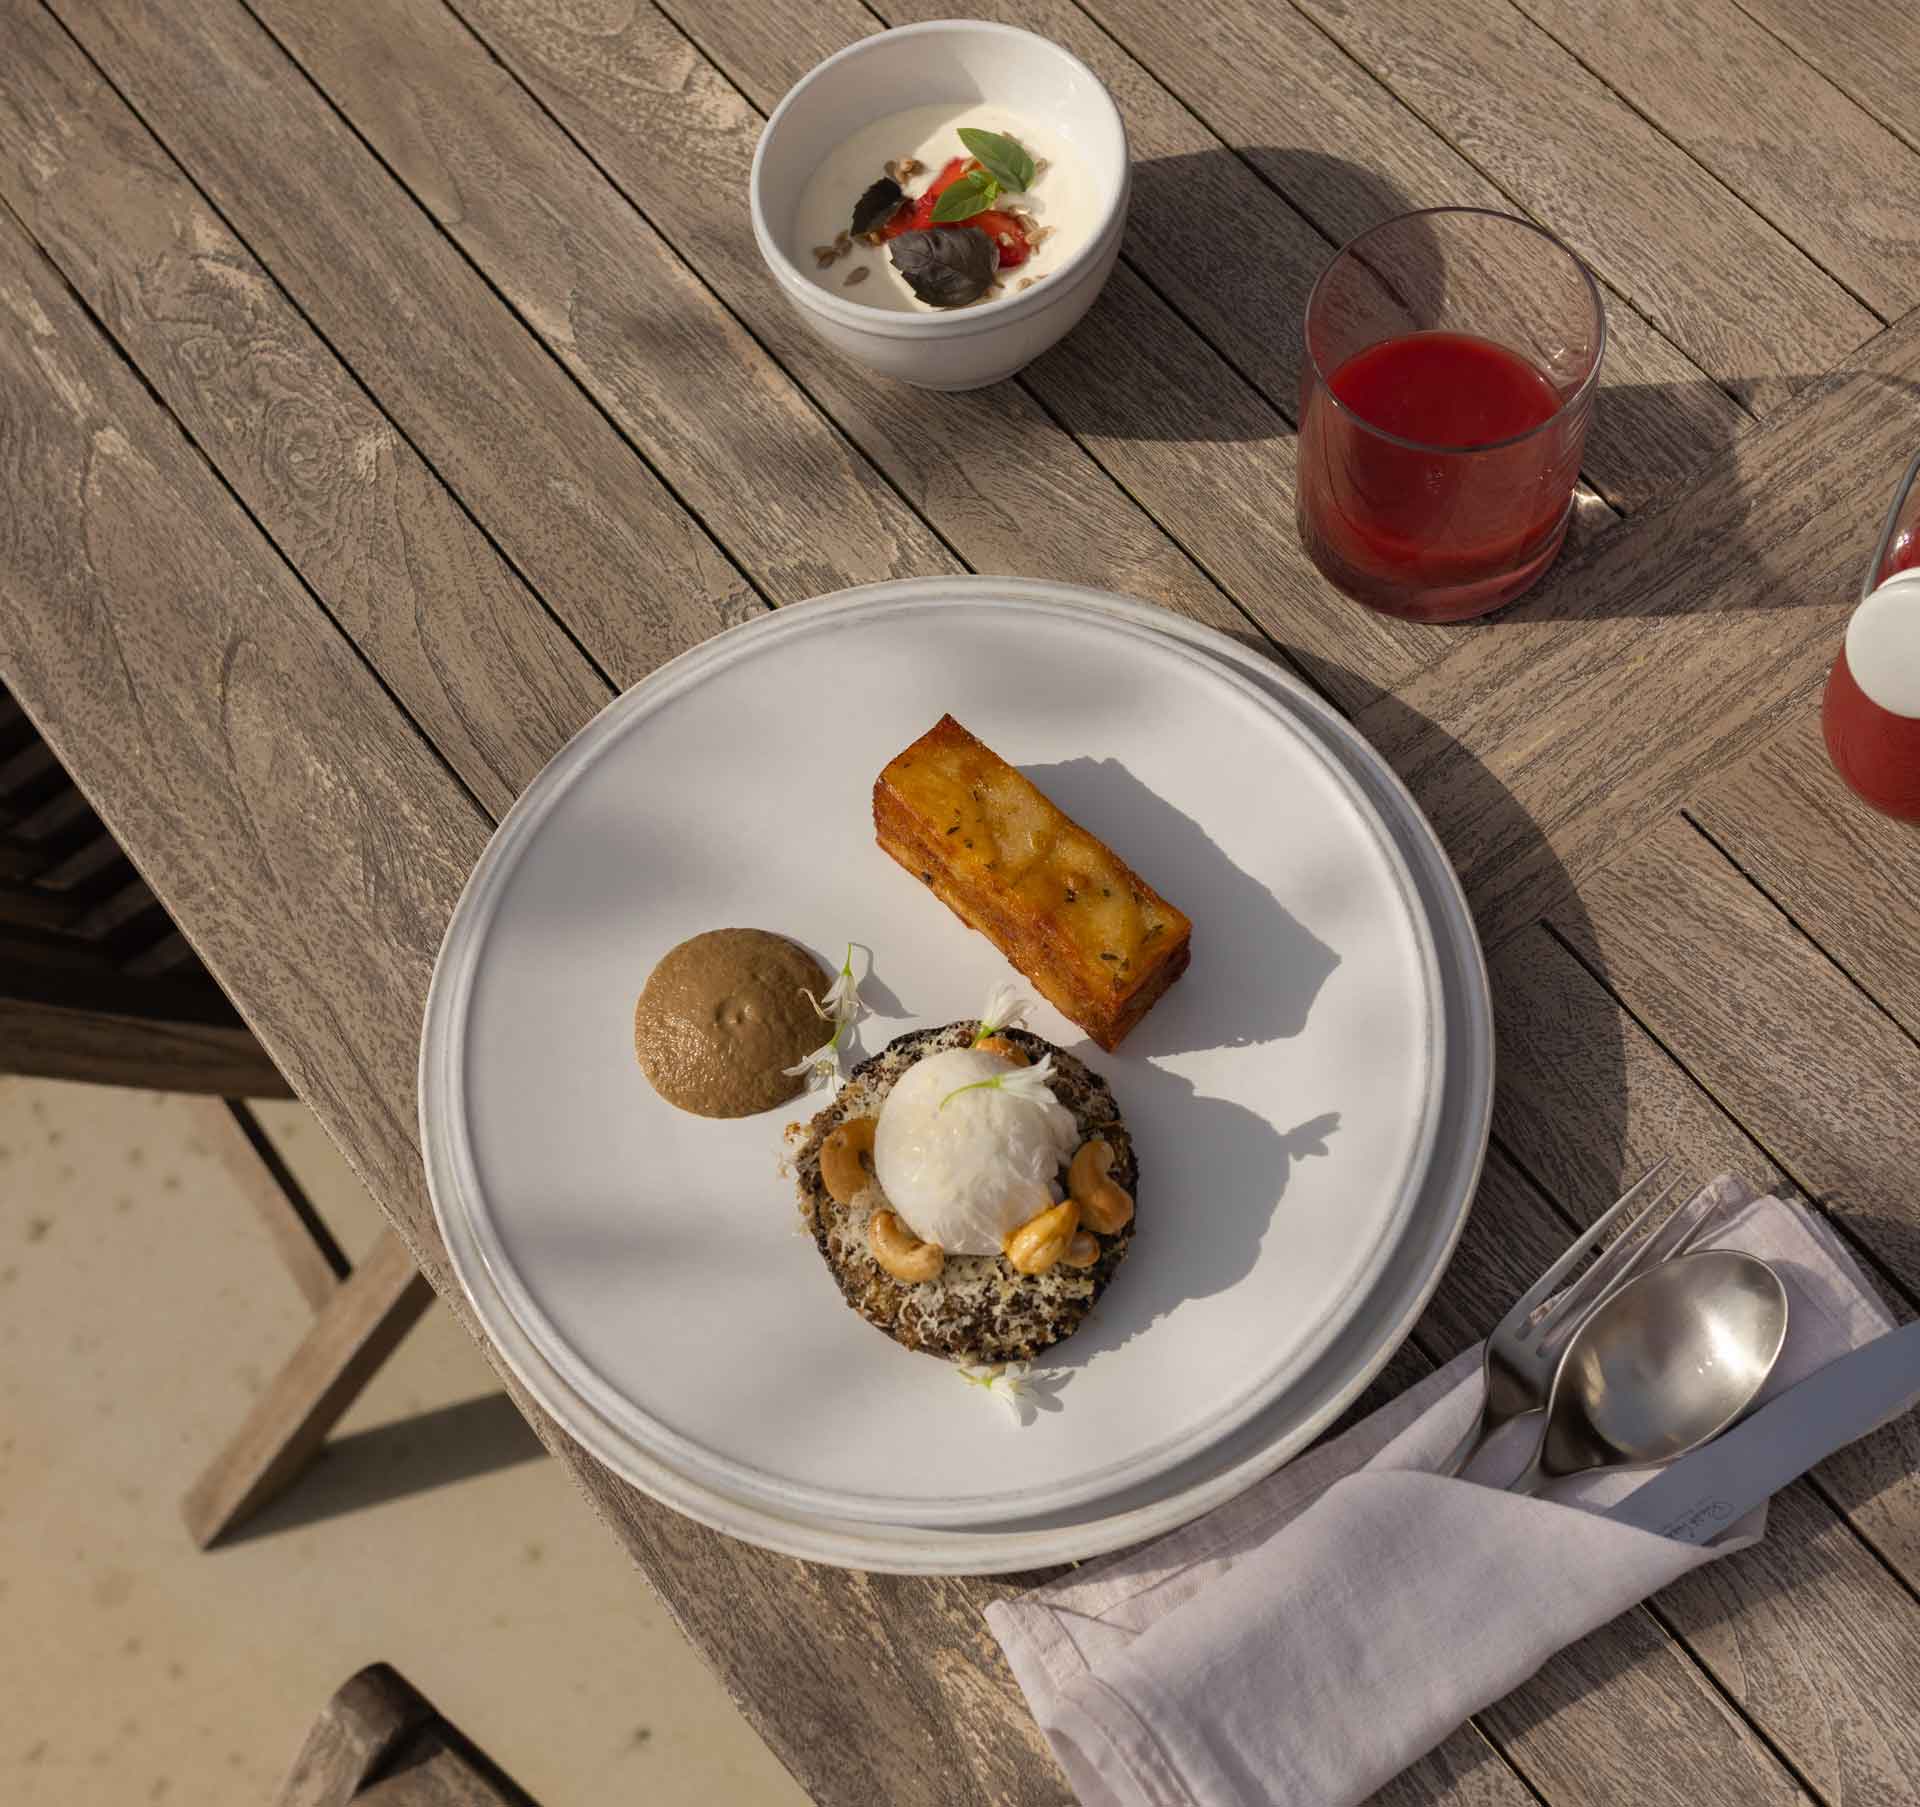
(1449, 373)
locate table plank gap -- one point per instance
(240, 748)
(1809, 159)
(1731, 291)
(1865, 48)
(331, 481)
(420, 330)
(1826, 858)
(1589, 1097)
(1295, 103)
(612, 90)
(615, 307)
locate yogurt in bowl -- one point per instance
(1038, 220)
(903, 97)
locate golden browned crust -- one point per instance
(1095, 939)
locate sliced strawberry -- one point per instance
(1007, 234)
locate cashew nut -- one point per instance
(846, 1159)
(902, 1253)
(1082, 1251)
(998, 1044)
(1043, 1239)
(1106, 1205)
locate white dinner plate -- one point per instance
(1287, 1097)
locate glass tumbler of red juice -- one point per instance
(1449, 373)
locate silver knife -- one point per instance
(1700, 1495)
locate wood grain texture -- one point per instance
(252, 763)
(1347, 155)
(1728, 288)
(1710, 615)
(642, 334)
(568, 502)
(1839, 869)
(369, 1717)
(1794, 1048)
(1206, 454)
(352, 1335)
(467, 649)
(1781, 136)
(672, 135)
(1869, 48)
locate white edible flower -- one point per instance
(1026, 1083)
(1007, 1382)
(842, 1008)
(1007, 1007)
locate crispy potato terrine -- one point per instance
(1094, 938)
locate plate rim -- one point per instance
(1443, 919)
(596, 747)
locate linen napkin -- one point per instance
(1304, 1643)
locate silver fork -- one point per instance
(1527, 1343)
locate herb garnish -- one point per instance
(946, 266)
(1003, 157)
(876, 206)
(1004, 167)
(973, 193)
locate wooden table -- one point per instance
(384, 383)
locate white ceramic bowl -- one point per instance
(919, 65)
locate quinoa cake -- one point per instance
(1094, 938)
(978, 1309)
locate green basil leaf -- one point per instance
(1006, 161)
(974, 193)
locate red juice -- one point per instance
(1436, 480)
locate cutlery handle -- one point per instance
(1464, 1451)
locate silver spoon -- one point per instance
(1667, 1363)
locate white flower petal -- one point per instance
(1007, 1007)
(1029, 1083)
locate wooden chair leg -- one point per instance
(301, 1240)
(354, 1332)
(381, 1740)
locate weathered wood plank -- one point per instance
(250, 761)
(1869, 48)
(665, 126)
(472, 655)
(1348, 155)
(1782, 137)
(568, 502)
(1235, 257)
(1710, 615)
(1838, 868)
(1794, 1050)
(607, 296)
(1702, 266)
(671, 135)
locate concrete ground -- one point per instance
(141, 1307)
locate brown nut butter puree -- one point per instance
(722, 1015)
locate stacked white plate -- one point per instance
(1309, 1103)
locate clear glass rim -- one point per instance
(1870, 581)
(1576, 399)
